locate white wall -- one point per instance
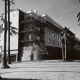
(14, 18)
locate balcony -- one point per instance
(31, 31)
(30, 39)
(31, 21)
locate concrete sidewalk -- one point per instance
(43, 70)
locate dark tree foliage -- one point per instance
(78, 16)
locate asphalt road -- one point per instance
(43, 70)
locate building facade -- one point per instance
(34, 28)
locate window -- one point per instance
(28, 18)
(32, 18)
(29, 37)
(53, 34)
(48, 31)
(57, 43)
(33, 28)
(37, 28)
(48, 39)
(54, 42)
(27, 28)
(38, 38)
(57, 36)
(26, 37)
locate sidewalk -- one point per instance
(43, 70)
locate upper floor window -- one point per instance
(57, 36)
(53, 42)
(53, 34)
(38, 38)
(28, 18)
(32, 28)
(37, 28)
(48, 39)
(32, 18)
(48, 31)
(27, 28)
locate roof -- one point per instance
(52, 21)
(77, 39)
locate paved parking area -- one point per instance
(43, 70)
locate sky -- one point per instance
(63, 12)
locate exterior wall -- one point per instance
(14, 19)
(38, 31)
(30, 33)
(52, 43)
(26, 53)
(77, 49)
(52, 38)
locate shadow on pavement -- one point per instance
(18, 79)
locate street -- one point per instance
(43, 70)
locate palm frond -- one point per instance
(11, 33)
(14, 32)
(78, 14)
(78, 19)
(79, 24)
(14, 28)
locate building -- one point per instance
(15, 17)
(35, 28)
(77, 48)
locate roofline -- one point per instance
(52, 21)
(77, 39)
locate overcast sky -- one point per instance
(63, 12)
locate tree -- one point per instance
(78, 16)
(7, 27)
(62, 43)
(4, 62)
(39, 49)
(63, 40)
(13, 31)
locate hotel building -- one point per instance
(33, 28)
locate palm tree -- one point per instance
(78, 16)
(13, 31)
(63, 42)
(4, 62)
(9, 32)
(39, 49)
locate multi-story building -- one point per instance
(52, 36)
(33, 28)
(40, 28)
